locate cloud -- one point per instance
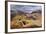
(25, 8)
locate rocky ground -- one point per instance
(33, 20)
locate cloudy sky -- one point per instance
(25, 8)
